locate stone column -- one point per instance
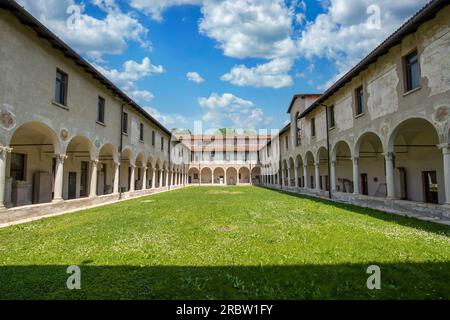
(333, 176)
(116, 178)
(161, 172)
(305, 176)
(446, 159)
(153, 178)
(317, 175)
(390, 175)
(93, 184)
(356, 176)
(59, 175)
(144, 178)
(3, 156)
(132, 182)
(296, 184)
(167, 178)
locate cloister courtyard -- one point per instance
(225, 243)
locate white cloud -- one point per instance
(131, 73)
(154, 8)
(346, 32)
(273, 74)
(228, 110)
(91, 36)
(195, 77)
(168, 120)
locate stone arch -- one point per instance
(256, 175)
(244, 175)
(300, 173)
(291, 172)
(34, 146)
(371, 164)
(343, 163)
(322, 161)
(219, 175)
(418, 172)
(206, 175)
(310, 170)
(193, 175)
(108, 157)
(232, 176)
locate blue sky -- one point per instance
(230, 63)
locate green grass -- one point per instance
(225, 243)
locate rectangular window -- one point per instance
(18, 162)
(313, 127)
(332, 123)
(153, 138)
(101, 110)
(359, 93)
(61, 87)
(412, 71)
(286, 139)
(162, 143)
(141, 132)
(125, 123)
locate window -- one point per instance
(153, 138)
(332, 123)
(125, 123)
(286, 140)
(162, 143)
(298, 134)
(18, 162)
(412, 71)
(101, 110)
(141, 132)
(61, 87)
(359, 101)
(313, 127)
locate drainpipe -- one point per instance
(328, 151)
(120, 148)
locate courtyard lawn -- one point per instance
(225, 243)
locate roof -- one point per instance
(303, 96)
(42, 32)
(285, 129)
(427, 13)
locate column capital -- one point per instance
(445, 147)
(94, 162)
(5, 150)
(389, 155)
(133, 166)
(355, 159)
(61, 157)
(117, 164)
(333, 162)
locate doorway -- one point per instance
(72, 185)
(364, 184)
(430, 187)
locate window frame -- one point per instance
(101, 107)
(407, 74)
(64, 87)
(125, 123)
(331, 117)
(141, 132)
(313, 127)
(360, 103)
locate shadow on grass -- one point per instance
(377, 214)
(398, 281)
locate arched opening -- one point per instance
(139, 172)
(418, 173)
(291, 172)
(285, 173)
(256, 176)
(322, 159)
(231, 176)
(149, 175)
(309, 161)
(78, 168)
(206, 176)
(301, 178)
(158, 174)
(164, 174)
(244, 175)
(219, 176)
(193, 176)
(125, 170)
(31, 165)
(342, 157)
(372, 173)
(106, 169)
